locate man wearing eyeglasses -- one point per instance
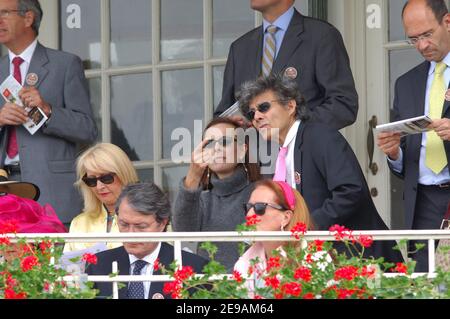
(422, 159)
(141, 208)
(54, 81)
(305, 49)
(315, 159)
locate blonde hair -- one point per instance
(103, 157)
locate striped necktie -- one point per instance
(435, 158)
(270, 50)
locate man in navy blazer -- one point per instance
(426, 192)
(320, 163)
(309, 50)
(54, 81)
(141, 208)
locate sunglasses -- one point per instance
(105, 179)
(261, 108)
(260, 208)
(223, 141)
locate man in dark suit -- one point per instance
(308, 50)
(54, 81)
(422, 159)
(318, 161)
(141, 208)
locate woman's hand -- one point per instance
(199, 162)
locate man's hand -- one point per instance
(389, 143)
(442, 128)
(242, 121)
(12, 114)
(31, 97)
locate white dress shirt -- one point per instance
(148, 269)
(26, 55)
(289, 142)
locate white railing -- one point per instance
(179, 237)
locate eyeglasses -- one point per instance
(7, 13)
(262, 108)
(260, 208)
(425, 36)
(223, 141)
(105, 179)
(126, 227)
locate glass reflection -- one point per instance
(183, 39)
(218, 82)
(171, 178)
(132, 115)
(95, 90)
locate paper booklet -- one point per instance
(410, 126)
(10, 89)
(72, 261)
(233, 111)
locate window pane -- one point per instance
(181, 29)
(182, 103)
(396, 31)
(171, 178)
(80, 30)
(131, 32)
(218, 82)
(95, 90)
(132, 115)
(231, 19)
(145, 175)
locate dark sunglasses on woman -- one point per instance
(105, 179)
(260, 208)
(223, 141)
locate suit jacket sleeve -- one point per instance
(339, 168)
(73, 121)
(334, 76)
(228, 85)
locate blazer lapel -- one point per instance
(291, 41)
(123, 262)
(37, 65)
(254, 52)
(298, 154)
(165, 258)
(419, 88)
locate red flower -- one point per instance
(299, 228)
(10, 282)
(9, 226)
(184, 273)
(4, 241)
(303, 273)
(28, 263)
(272, 282)
(257, 297)
(401, 268)
(251, 220)
(89, 258)
(292, 288)
(319, 244)
(11, 294)
(46, 287)
(273, 262)
(237, 276)
(368, 271)
(309, 259)
(308, 296)
(365, 241)
(341, 232)
(45, 245)
(156, 265)
(172, 288)
(346, 272)
(345, 293)
(278, 296)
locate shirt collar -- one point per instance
(151, 258)
(446, 60)
(27, 54)
(282, 22)
(292, 133)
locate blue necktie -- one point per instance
(136, 289)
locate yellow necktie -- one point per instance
(435, 158)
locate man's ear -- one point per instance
(446, 21)
(292, 107)
(29, 18)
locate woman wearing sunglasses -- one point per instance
(102, 171)
(278, 207)
(220, 179)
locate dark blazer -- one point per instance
(316, 50)
(47, 158)
(409, 101)
(166, 257)
(334, 187)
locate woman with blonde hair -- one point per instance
(102, 171)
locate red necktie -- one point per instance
(12, 148)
